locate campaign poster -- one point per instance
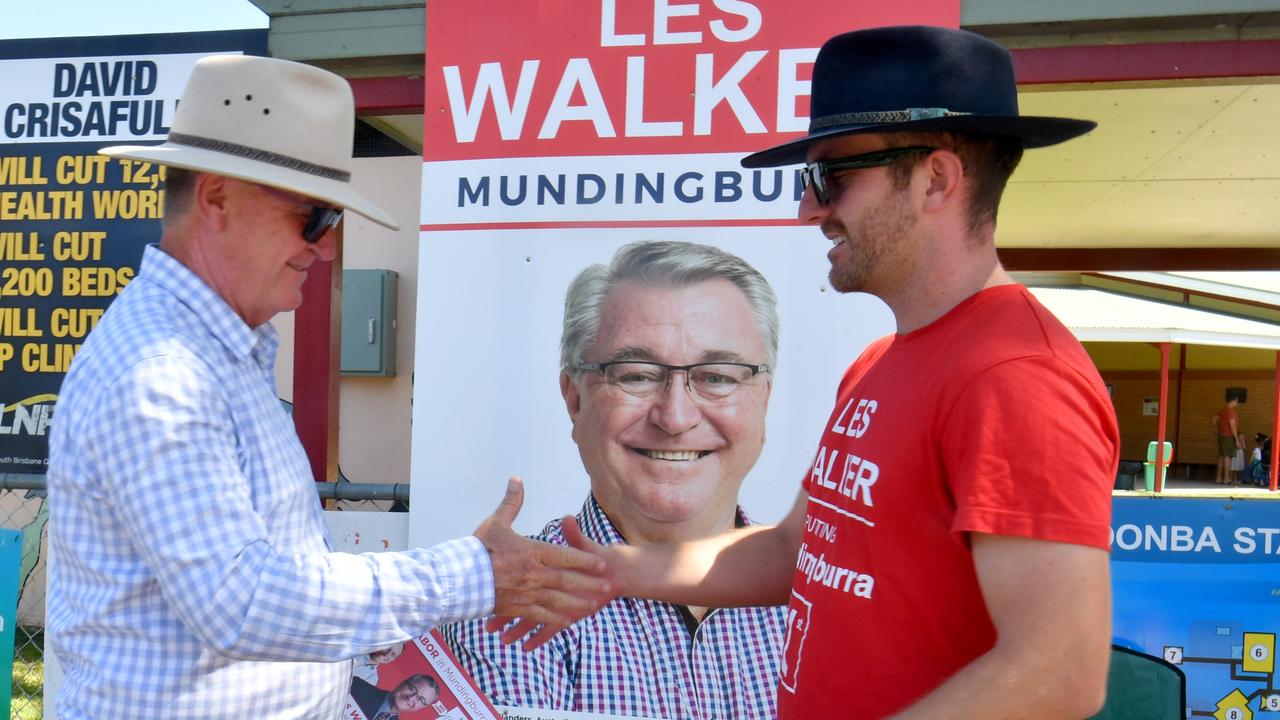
(1195, 582)
(557, 134)
(416, 679)
(73, 223)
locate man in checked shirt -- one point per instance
(194, 575)
(666, 357)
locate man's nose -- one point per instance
(675, 409)
(326, 248)
(811, 212)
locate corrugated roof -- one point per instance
(1257, 287)
(1101, 316)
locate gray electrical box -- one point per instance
(369, 322)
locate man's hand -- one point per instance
(536, 582)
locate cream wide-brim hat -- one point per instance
(267, 121)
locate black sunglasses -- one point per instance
(320, 220)
(816, 174)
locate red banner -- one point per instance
(537, 78)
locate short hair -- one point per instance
(435, 685)
(178, 186)
(988, 162)
(662, 263)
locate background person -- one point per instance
(1260, 460)
(1228, 423)
(941, 541)
(666, 451)
(1237, 462)
(194, 576)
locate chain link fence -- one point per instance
(23, 507)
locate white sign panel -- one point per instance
(545, 151)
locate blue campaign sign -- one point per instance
(73, 223)
(1197, 582)
(10, 559)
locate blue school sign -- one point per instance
(1197, 582)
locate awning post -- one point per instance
(1275, 423)
(1162, 415)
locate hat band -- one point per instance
(250, 153)
(883, 116)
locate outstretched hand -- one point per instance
(537, 583)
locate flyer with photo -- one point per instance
(422, 679)
(512, 713)
(417, 680)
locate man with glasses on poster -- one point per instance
(414, 693)
(666, 360)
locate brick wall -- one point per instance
(1192, 430)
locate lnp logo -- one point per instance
(30, 416)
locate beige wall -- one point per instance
(1143, 356)
(1132, 369)
(1193, 431)
(374, 412)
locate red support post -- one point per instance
(1275, 425)
(316, 359)
(1163, 415)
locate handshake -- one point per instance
(540, 588)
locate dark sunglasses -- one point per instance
(319, 221)
(816, 174)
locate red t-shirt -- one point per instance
(1225, 416)
(992, 419)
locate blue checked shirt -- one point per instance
(634, 657)
(192, 576)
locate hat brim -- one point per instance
(1033, 132)
(340, 193)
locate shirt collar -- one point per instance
(597, 526)
(222, 322)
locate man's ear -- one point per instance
(572, 396)
(210, 197)
(945, 177)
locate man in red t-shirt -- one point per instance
(947, 555)
(1228, 427)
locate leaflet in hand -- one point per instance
(419, 679)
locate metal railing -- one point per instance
(342, 490)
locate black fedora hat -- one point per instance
(916, 78)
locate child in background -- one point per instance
(1237, 462)
(1257, 472)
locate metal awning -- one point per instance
(1103, 316)
(1256, 287)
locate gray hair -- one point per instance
(662, 263)
(179, 186)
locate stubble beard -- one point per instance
(851, 275)
(875, 253)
